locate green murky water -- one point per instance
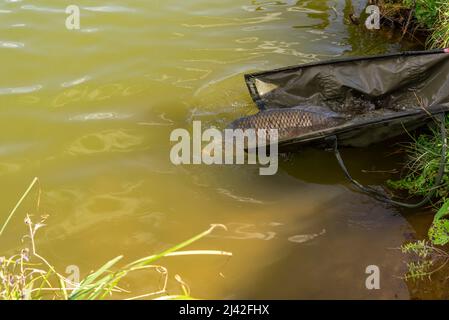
(90, 111)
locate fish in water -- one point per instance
(291, 122)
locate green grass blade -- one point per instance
(444, 211)
(150, 259)
(35, 180)
(89, 280)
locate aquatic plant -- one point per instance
(29, 275)
(428, 260)
(439, 231)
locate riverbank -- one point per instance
(428, 19)
(424, 155)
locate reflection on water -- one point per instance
(106, 141)
(90, 113)
(301, 238)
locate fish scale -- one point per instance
(290, 123)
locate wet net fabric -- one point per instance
(361, 91)
(361, 85)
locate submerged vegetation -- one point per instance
(428, 260)
(29, 275)
(427, 17)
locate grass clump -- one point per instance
(425, 11)
(440, 34)
(424, 155)
(30, 276)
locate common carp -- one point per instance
(291, 122)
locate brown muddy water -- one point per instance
(90, 112)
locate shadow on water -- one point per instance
(366, 42)
(373, 165)
(336, 257)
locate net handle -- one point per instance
(382, 197)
